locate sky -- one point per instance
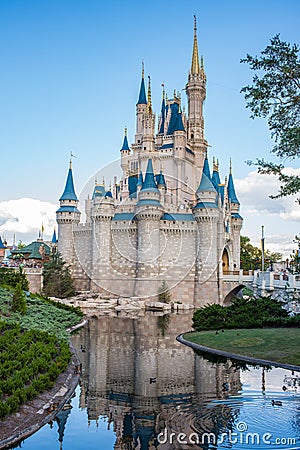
(69, 81)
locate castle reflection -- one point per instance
(148, 385)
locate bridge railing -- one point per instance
(264, 280)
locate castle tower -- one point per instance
(141, 107)
(148, 139)
(102, 213)
(125, 152)
(206, 214)
(67, 216)
(148, 214)
(196, 93)
(236, 220)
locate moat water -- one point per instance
(141, 389)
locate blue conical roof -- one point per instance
(140, 179)
(231, 191)
(206, 184)
(108, 194)
(149, 182)
(125, 145)
(206, 169)
(1, 243)
(54, 238)
(69, 192)
(163, 113)
(142, 97)
(216, 180)
(179, 125)
(160, 179)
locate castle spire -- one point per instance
(230, 188)
(195, 68)
(142, 97)
(149, 104)
(163, 111)
(69, 191)
(125, 146)
(149, 181)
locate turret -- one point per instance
(148, 139)
(196, 93)
(215, 175)
(148, 213)
(236, 219)
(125, 151)
(141, 107)
(67, 217)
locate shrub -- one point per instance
(18, 301)
(244, 313)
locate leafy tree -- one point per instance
(57, 278)
(11, 277)
(164, 294)
(18, 301)
(295, 257)
(275, 95)
(251, 255)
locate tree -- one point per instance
(18, 300)
(57, 278)
(275, 95)
(251, 256)
(295, 257)
(164, 294)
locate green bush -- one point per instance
(244, 313)
(29, 363)
(11, 277)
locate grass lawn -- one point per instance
(274, 344)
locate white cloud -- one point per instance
(24, 217)
(280, 216)
(254, 192)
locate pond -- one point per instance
(141, 389)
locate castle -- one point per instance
(169, 221)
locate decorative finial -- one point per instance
(215, 165)
(125, 131)
(103, 182)
(230, 167)
(149, 104)
(195, 69)
(163, 90)
(71, 156)
(202, 63)
(96, 181)
(143, 70)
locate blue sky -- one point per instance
(70, 75)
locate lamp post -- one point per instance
(263, 281)
(262, 249)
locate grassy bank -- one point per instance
(34, 347)
(41, 314)
(278, 345)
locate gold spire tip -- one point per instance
(195, 23)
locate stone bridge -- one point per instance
(258, 281)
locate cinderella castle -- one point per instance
(169, 221)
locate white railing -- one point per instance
(265, 280)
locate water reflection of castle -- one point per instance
(136, 374)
